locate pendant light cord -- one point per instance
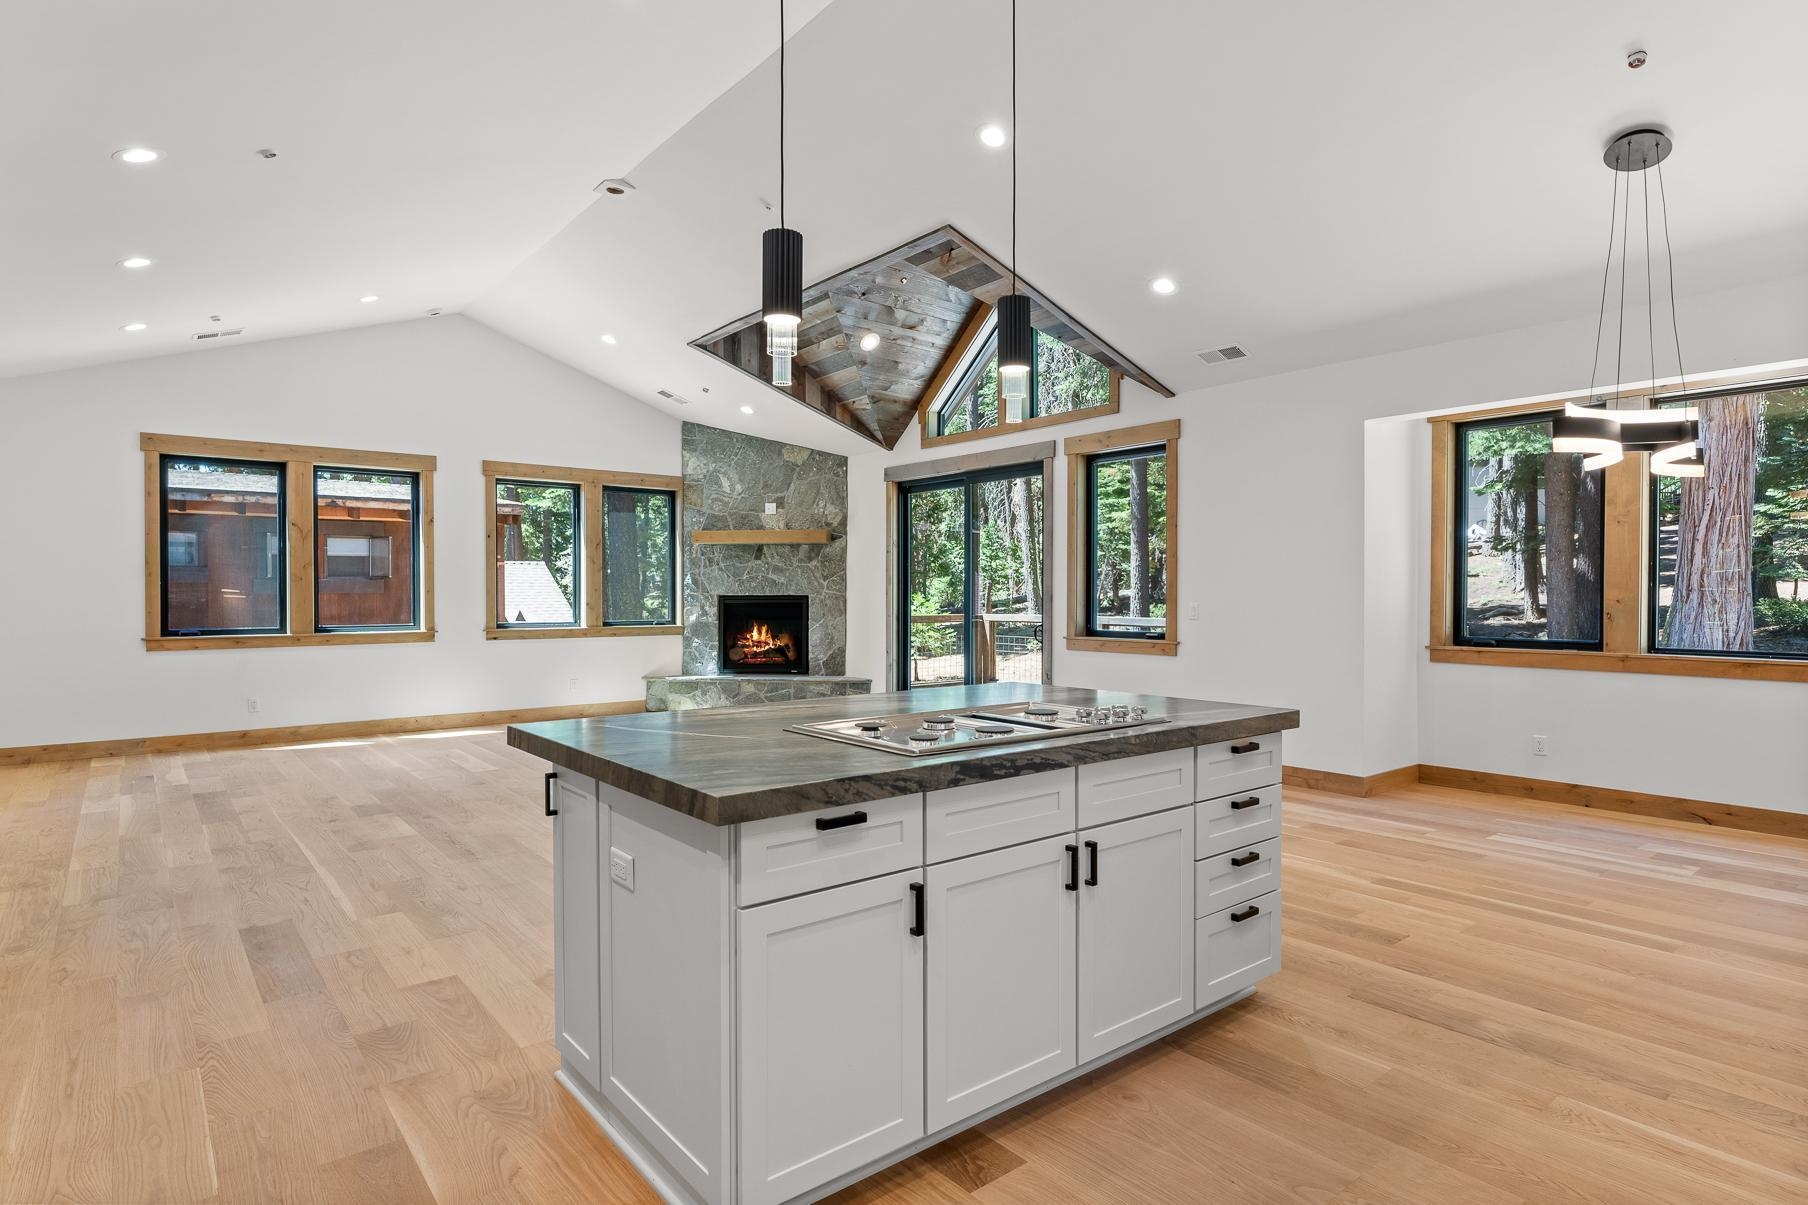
(1619, 351)
(1013, 146)
(1613, 213)
(1650, 337)
(1682, 379)
(781, 112)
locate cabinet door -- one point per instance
(1136, 929)
(830, 1034)
(577, 842)
(1001, 977)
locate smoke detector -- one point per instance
(615, 186)
(1219, 355)
(1636, 59)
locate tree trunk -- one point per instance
(1023, 525)
(1572, 549)
(1711, 607)
(1139, 537)
(1530, 558)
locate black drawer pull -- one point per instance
(842, 821)
(1237, 805)
(1246, 859)
(1073, 868)
(1246, 747)
(550, 809)
(920, 927)
(1238, 918)
(1092, 876)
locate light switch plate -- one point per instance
(621, 867)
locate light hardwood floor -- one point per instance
(324, 975)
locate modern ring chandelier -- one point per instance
(1595, 428)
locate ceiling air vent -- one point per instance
(1219, 355)
(205, 336)
(673, 398)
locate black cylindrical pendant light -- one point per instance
(1016, 339)
(782, 257)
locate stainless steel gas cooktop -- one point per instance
(921, 733)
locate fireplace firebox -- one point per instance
(763, 633)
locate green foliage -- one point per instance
(1779, 525)
(1113, 482)
(547, 530)
(1067, 378)
(1788, 616)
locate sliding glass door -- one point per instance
(972, 582)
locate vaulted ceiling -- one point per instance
(917, 300)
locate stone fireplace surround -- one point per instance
(729, 481)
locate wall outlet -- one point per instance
(1192, 612)
(621, 867)
(574, 684)
(251, 706)
(772, 508)
(1541, 746)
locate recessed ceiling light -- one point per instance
(992, 134)
(132, 326)
(609, 339)
(135, 261)
(746, 409)
(869, 341)
(137, 154)
(368, 298)
(1164, 285)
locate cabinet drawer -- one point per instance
(1234, 821)
(788, 855)
(1236, 875)
(1135, 786)
(1227, 766)
(1236, 947)
(991, 815)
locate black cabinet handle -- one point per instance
(1073, 868)
(1237, 805)
(550, 809)
(1246, 747)
(1239, 917)
(1246, 859)
(842, 821)
(1092, 872)
(919, 928)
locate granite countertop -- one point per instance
(733, 764)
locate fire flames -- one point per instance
(758, 645)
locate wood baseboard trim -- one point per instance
(1608, 799)
(1348, 784)
(297, 734)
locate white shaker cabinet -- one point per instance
(830, 1033)
(1000, 1014)
(1136, 929)
(579, 833)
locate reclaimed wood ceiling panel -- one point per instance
(916, 298)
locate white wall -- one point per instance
(1304, 540)
(71, 485)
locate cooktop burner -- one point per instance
(917, 734)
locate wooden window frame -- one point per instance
(976, 329)
(299, 462)
(1080, 450)
(590, 483)
(1625, 588)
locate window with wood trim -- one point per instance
(964, 403)
(1701, 577)
(1527, 540)
(252, 544)
(1123, 522)
(580, 552)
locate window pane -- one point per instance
(973, 404)
(223, 567)
(1007, 585)
(1067, 378)
(935, 523)
(537, 559)
(637, 557)
(1528, 532)
(1731, 562)
(364, 549)
(1127, 543)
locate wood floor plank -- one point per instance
(323, 975)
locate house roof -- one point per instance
(532, 595)
(203, 481)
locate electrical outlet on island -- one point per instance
(621, 867)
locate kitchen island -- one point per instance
(791, 949)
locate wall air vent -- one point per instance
(673, 398)
(1219, 355)
(206, 336)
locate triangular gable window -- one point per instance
(1063, 379)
